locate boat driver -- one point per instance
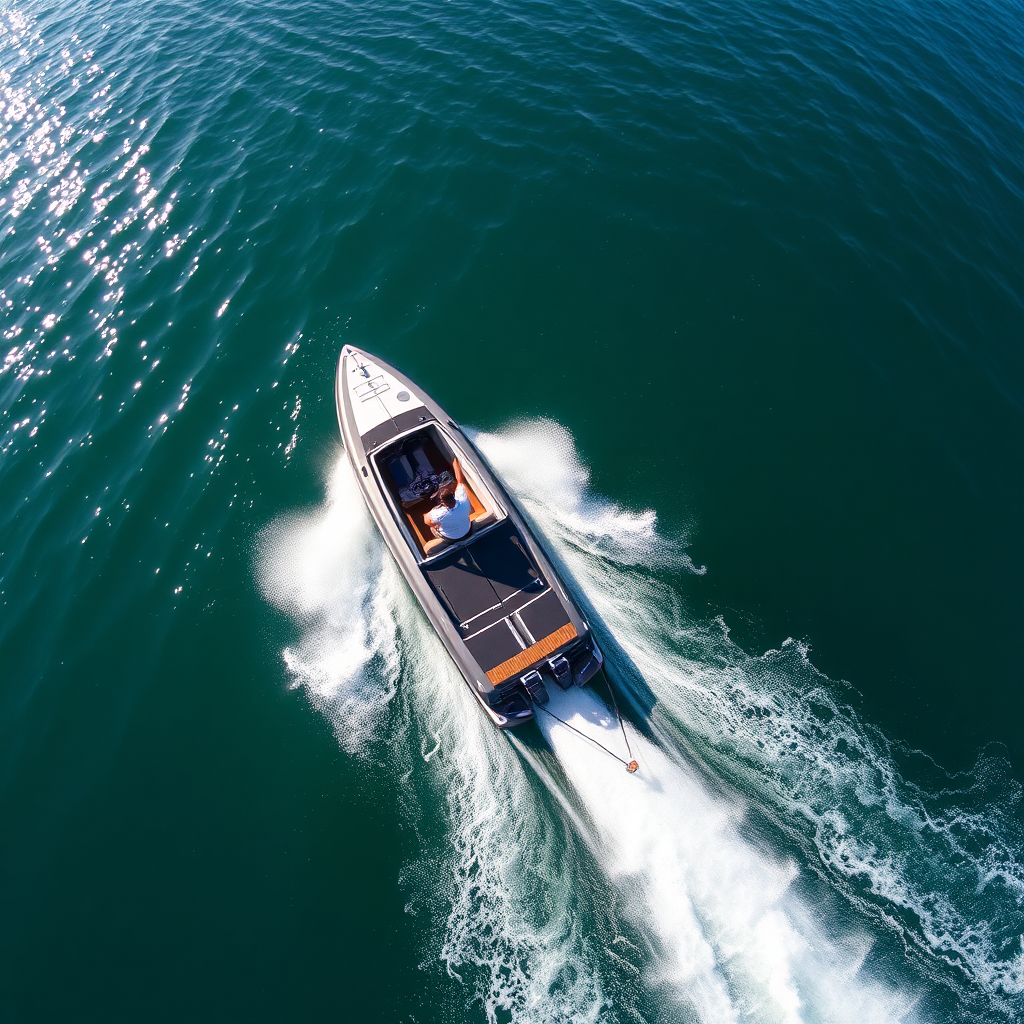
(449, 519)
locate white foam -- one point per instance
(327, 568)
(370, 662)
(730, 944)
(776, 729)
(707, 918)
(538, 461)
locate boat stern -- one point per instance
(513, 703)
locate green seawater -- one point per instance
(732, 297)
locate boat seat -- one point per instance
(417, 455)
(480, 518)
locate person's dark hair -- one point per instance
(447, 495)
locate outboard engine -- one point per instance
(534, 686)
(585, 664)
(561, 670)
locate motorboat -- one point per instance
(493, 595)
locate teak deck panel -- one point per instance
(535, 652)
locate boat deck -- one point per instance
(505, 610)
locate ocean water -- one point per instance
(730, 297)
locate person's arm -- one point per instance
(458, 472)
(429, 518)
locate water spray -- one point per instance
(632, 765)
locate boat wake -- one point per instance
(730, 938)
(773, 860)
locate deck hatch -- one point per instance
(495, 645)
(502, 611)
(545, 615)
(494, 572)
(502, 558)
(461, 585)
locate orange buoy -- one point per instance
(632, 767)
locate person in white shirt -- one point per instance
(449, 519)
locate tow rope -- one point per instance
(631, 765)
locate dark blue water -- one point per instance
(733, 296)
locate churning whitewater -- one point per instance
(771, 861)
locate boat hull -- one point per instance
(494, 597)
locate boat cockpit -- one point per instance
(412, 470)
